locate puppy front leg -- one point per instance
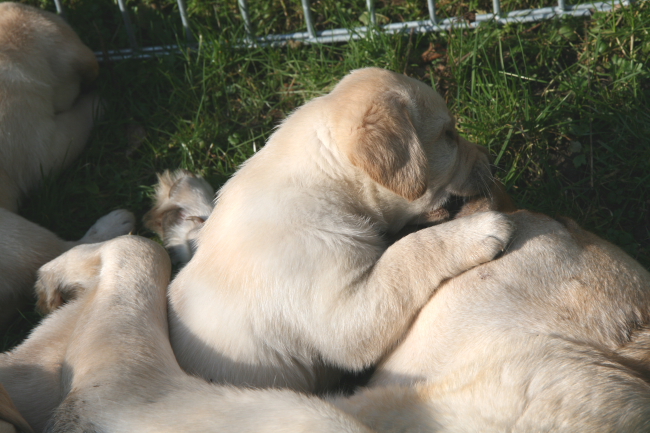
(376, 313)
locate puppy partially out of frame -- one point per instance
(45, 121)
(552, 337)
(293, 277)
(103, 363)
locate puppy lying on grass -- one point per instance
(554, 336)
(293, 277)
(45, 122)
(103, 362)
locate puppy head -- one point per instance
(399, 132)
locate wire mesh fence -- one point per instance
(430, 23)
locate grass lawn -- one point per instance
(563, 105)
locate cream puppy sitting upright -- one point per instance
(45, 122)
(293, 277)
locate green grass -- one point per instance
(561, 105)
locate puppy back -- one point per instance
(29, 36)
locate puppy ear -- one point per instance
(388, 149)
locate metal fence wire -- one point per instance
(425, 25)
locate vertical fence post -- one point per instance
(432, 12)
(127, 25)
(561, 6)
(496, 9)
(186, 23)
(371, 12)
(308, 19)
(243, 10)
(59, 9)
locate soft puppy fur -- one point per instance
(551, 337)
(104, 360)
(11, 421)
(183, 202)
(45, 121)
(293, 277)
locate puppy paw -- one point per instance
(48, 294)
(117, 223)
(490, 234)
(64, 278)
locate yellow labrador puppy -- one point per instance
(44, 124)
(105, 359)
(293, 276)
(552, 337)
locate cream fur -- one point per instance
(11, 421)
(183, 203)
(551, 337)
(45, 121)
(103, 362)
(293, 278)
